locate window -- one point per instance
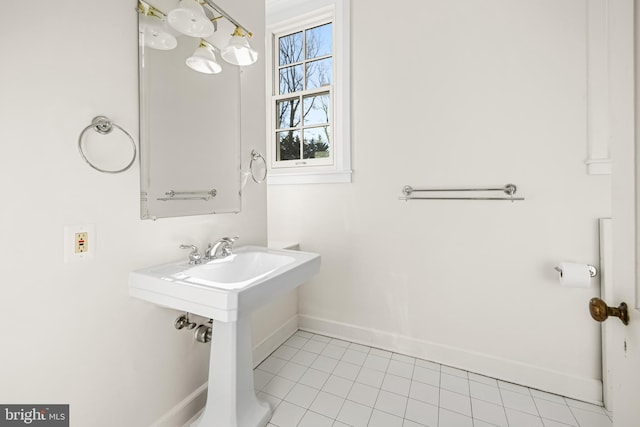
(308, 81)
(303, 103)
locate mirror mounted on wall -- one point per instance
(190, 108)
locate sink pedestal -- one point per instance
(231, 398)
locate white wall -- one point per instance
(461, 93)
(70, 332)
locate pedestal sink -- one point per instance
(227, 290)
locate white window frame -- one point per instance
(290, 15)
(320, 20)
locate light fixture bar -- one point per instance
(148, 9)
(218, 9)
(210, 3)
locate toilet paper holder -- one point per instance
(593, 271)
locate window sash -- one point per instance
(301, 127)
(278, 95)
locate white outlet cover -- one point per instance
(69, 242)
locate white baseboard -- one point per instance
(584, 389)
(268, 345)
(193, 419)
(184, 411)
(189, 408)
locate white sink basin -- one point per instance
(238, 270)
(222, 288)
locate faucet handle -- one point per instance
(226, 249)
(195, 257)
(227, 241)
(207, 252)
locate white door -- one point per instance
(625, 363)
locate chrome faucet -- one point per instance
(195, 257)
(224, 246)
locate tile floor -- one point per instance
(316, 381)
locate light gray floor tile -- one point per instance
(312, 419)
(327, 404)
(314, 378)
(453, 419)
(354, 414)
(391, 403)
(454, 383)
(377, 363)
(591, 419)
(370, 377)
(485, 392)
(454, 371)
(364, 394)
(287, 415)
(338, 386)
(424, 393)
(488, 412)
(521, 419)
(513, 387)
(482, 379)
(401, 369)
(518, 401)
(427, 376)
(455, 402)
(379, 352)
(346, 370)
(555, 411)
(383, 419)
(421, 412)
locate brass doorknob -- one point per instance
(600, 311)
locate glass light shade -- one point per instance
(204, 61)
(189, 18)
(155, 35)
(238, 51)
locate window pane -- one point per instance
(288, 113)
(319, 73)
(316, 109)
(290, 48)
(316, 142)
(290, 79)
(319, 41)
(289, 145)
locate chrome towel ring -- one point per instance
(254, 157)
(104, 126)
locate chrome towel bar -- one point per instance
(509, 190)
(189, 195)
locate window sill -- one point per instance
(330, 177)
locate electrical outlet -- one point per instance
(79, 242)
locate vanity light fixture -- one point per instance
(154, 30)
(189, 19)
(203, 59)
(238, 51)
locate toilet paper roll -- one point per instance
(573, 275)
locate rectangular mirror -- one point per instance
(189, 134)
